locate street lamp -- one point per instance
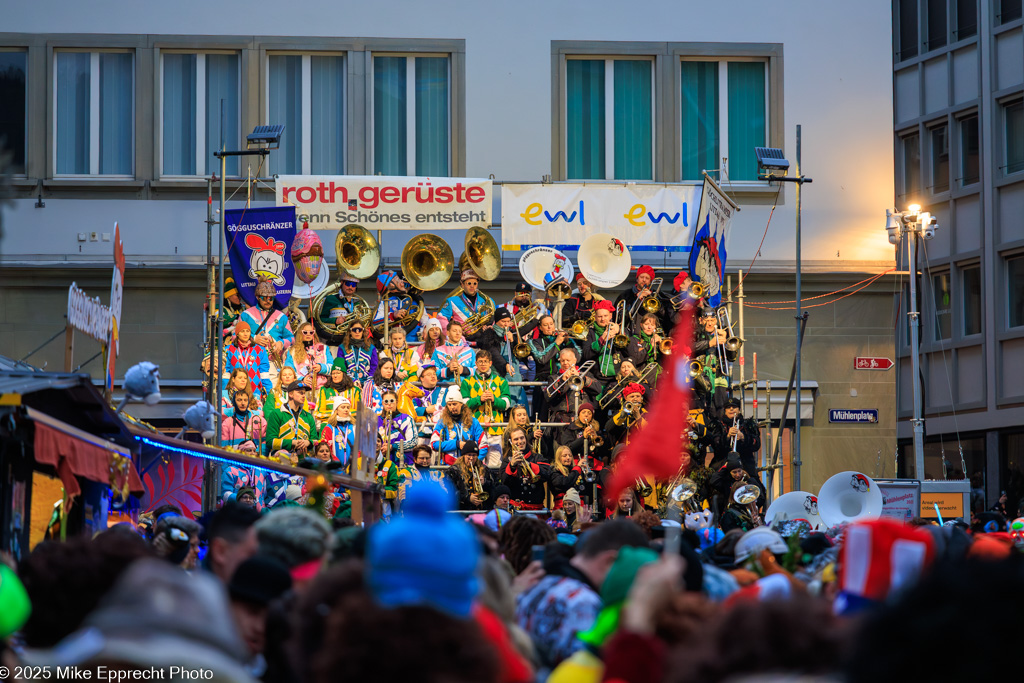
(259, 143)
(915, 224)
(772, 165)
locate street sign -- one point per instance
(872, 363)
(840, 416)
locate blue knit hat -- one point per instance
(427, 557)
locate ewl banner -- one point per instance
(260, 245)
(562, 215)
(708, 254)
(387, 202)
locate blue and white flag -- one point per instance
(708, 253)
(260, 246)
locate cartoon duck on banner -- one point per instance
(266, 259)
(708, 254)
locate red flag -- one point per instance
(654, 450)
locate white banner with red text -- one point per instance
(387, 202)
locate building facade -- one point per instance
(114, 111)
(958, 88)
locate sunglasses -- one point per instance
(349, 284)
(356, 329)
(390, 400)
(265, 298)
(309, 332)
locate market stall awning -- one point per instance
(74, 453)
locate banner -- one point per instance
(387, 202)
(562, 215)
(260, 245)
(88, 315)
(116, 296)
(708, 253)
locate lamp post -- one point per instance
(265, 138)
(772, 165)
(915, 224)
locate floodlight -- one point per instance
(771, 159)
(266, 135)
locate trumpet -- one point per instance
(642, 488)
(523, 467)
(578, 330)
(597, 439)
(620, 418)
(650, 303)
(589, 476)
(477, 483)
(575, 381)
(665, 346)
(695, 292)
(525, 315)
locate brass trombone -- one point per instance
(695, 292)
(576, 380)
(732, 342)
(580, 328)
(650, 303)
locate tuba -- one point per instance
(357, 252)
(604, 260)
(745, 496)
(848, 497)
(427, 262)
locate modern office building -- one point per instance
(113, 109)
(958, 90)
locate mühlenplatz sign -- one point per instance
(646, 217)
(88, 315)
(387, 202)
(852, 416)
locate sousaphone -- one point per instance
(849, 497)
(427, 262)
(794, 506)
(358, 256)
(604, 260)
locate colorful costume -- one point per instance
(400, 433)
(475, 385)
(317, 353)
(277, 328)
(235, 476)
(360, 362)
(284, 426)
(256, 363)
(342, 438)
(446, 439)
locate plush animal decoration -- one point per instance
(200, 417)
(142, 381)
(701, 523)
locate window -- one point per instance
(941, 301)
(911, 165)
(1007, 11)
(906, 17)
(726, 96)
(306, 94)
(1013, 117)
(609, 136)
(966, 19)
(940, 158)
(95, 117)
(936, 10)
(1015, 290)
(972, 299)
(411, 115)
(13, 113)
(970, 169)
(194, 85)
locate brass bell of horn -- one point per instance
(357, 251)
(482, 253)
(427, 262)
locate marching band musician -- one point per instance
(705, 344)
(520, 417)
(563, 401)
(291, 427)
(747, 435)
(725, 480)
(545, 347)
(580, 307)
(392, 289)
(562, 476)
(337, 307)
(467, 475)
(396, 429)
(339, 430)
(243, 424)
(420, 469)
(470, 301)
(642, 290)
(626, 372)
(523, 299)
(252, 359)
(238, 381)
(487, 395)
(360, 355)
(339, 384)
(383, 380)
(645, 345)
(425, 402)
(455, 427)
(583, 426)
(407, 361)
(278, 396)
(432, 338)
(311, 360)
(599, 345)
(454, 358)
(681, 284)
(387, 478)
(231, 305)
(621, 423)
(270, 327)
(524, 475)
(498, 339)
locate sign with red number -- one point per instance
(871, 363)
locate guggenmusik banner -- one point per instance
(260, 245)
(708, 254)
(387, 202)
(562, 215)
